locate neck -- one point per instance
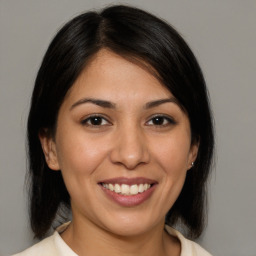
(86, 239)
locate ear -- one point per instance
(193, 154)
(49, 149)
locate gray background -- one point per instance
(222, 34)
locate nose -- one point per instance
(130, 148)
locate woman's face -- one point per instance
(123, 146)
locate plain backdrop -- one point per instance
(221, 33)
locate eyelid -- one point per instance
(85, 119)
(171, 120)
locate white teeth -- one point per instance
(141, 188)
(134, 190)
(117, 188)
(125, 189)
(111, 187)
(146, 186)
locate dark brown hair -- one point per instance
(134, 34)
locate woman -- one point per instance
(120, 135)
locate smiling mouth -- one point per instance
(127, 190)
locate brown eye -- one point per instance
(95, 121)
(160, 120)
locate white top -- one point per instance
(54, 245)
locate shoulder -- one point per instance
(53, 245)
(188, 247)
(44, 248)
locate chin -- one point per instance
(129, 226)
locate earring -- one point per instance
(192, 164)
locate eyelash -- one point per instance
(163, 118)
(90, 118)
(166, 119)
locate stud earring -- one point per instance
(192, 164)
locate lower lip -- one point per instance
(131, 200)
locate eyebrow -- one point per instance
(98, 102)
(108, 104)
(156, 103)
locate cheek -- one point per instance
(79, 155)
(172, 153)
(79, 158)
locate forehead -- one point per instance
(110, 76)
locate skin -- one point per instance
(126, 142)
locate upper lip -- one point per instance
(128, 181)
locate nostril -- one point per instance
(129, 148)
